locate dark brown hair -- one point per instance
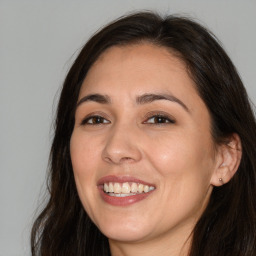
(228, 225)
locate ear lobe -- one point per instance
(227, 161)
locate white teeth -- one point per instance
(134, 188)
(106, 187)
(110, 187)
(126, 189)
(146, 188)
(140, 188)
(122, 195)
(151, 188)
(117, 188)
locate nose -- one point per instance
(121, 146)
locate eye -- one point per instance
(95, 120)
(159, 120)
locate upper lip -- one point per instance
(121, 179)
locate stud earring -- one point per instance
(221, 180)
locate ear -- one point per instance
(228, 159)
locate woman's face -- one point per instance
(141, 148)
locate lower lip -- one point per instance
(123, 201)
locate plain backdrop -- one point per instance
(38, 43)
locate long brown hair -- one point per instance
(228, 225)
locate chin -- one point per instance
(125, 235)
(126, 229)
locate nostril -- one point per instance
(108, 159)
(126, 158)
(117, 160)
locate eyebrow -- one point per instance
(148, 98)
(140, 100)
(99, 98)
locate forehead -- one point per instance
(128, 71)
(138, 58)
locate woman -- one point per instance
(154, 147)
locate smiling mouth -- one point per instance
(123, 191)
(117, 189)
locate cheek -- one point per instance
(83, 154)
(182, 157)
(185, 165)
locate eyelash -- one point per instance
(163, 119)
(88, 120)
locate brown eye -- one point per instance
(158, 119)
(94, 120)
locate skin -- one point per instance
(178, 156)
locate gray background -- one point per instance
(38, 42)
